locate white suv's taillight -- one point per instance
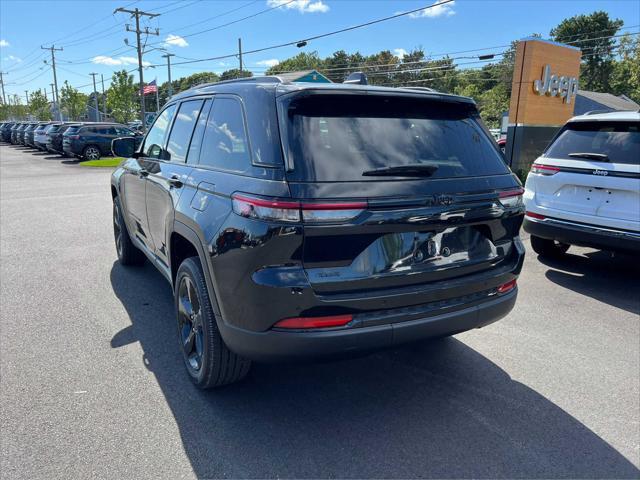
(293, 211)
(544, 169)
(511, 198)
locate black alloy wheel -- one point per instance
(190, 325)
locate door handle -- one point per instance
(143, 173)
(175, 181)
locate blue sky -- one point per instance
(92, 36)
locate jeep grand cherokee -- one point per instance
(303, 221)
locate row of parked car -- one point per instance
(84, 140)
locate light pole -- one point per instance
(168, 57)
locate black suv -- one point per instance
(92, 141)
(54, 136)
(5, 131)
(303, 221)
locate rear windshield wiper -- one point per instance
(417, 170)
(601, 157)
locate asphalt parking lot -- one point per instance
(92, 382)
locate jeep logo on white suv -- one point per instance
(604, 173)
(553, 85)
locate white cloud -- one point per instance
(272, 62)
(437, 9)
(175, 40)
(400, 52)
(104, 60)
(303, 6)
(4, 43)
(13, 58)
(129, 61)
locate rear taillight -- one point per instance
(294, 211)
(507, 287)
(511, 198)
(314, 322)
(535, 215)
(544, 169)
(73, 137)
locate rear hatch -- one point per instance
(397, 190)
(592, 169)
(70, 134)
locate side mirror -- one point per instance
(124, 147)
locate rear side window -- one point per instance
(154, 143)
(619, 141)
(196, 138)
(340, 137)
(180, 136)
(225, 140)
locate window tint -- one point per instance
(72, 130)
(346, 137)
(196, 139)
(225, 140)
(180, 136)
(154, 143)
(619, 141)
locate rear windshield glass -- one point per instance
(340, 137)
(71, 130)
(619, 141)
(53, 128)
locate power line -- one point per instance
(323, 35)
(234, 21)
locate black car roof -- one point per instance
(280, 87)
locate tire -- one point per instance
(91, 152)
(208, 360)
(548, 248)
(128, 253)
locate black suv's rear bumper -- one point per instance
(583, 235)
(279, 345)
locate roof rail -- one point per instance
(596, 112)
(424, 89)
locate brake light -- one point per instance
(507, 287)
(511, 198)
(535, 215)
(314, 322)
(73, 137)
(294, 211)
(544, 169)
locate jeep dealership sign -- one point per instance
(553, 85)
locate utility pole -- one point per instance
(137, 13)
(55, 78)
(4, 99)
(95, 96)
(104, 98)
(26, 95)
(168, 57)
(240, 54)
(53, 95)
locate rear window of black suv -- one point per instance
(341, 137)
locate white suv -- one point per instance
(585, 188)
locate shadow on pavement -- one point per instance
(612, 280)
(433, 409)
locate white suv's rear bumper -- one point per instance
(581, 234)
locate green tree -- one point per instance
(587, 32)
(186, 83)
(235, 73)
(625, 79)
(39, 105)
(72, 101)
(122, 99)
(302, 61)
